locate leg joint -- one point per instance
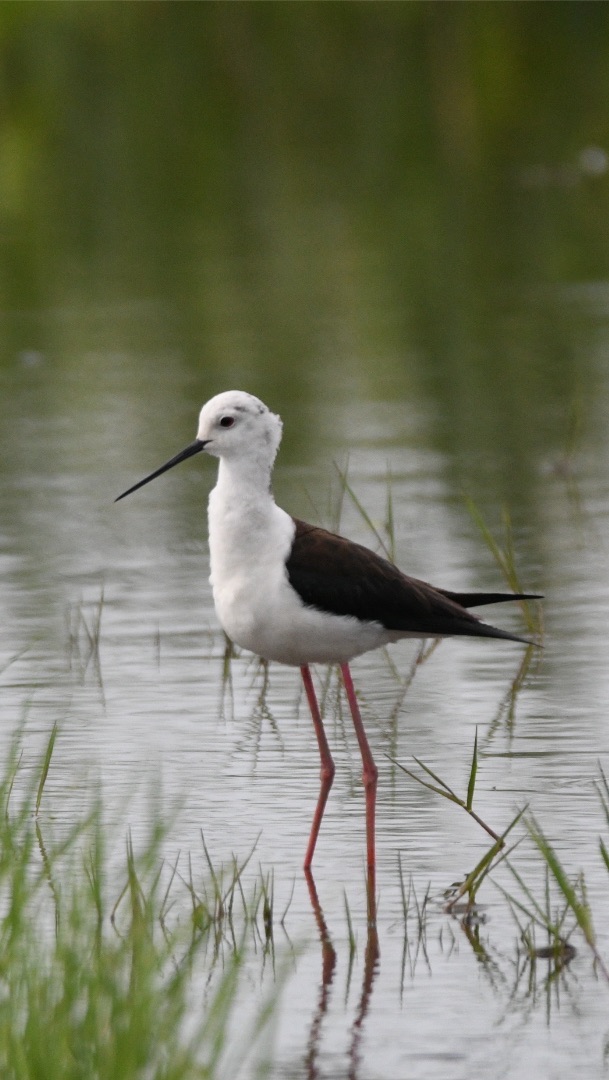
(370, 775)
(328, 770)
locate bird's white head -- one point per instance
(237, 428)
(237, 425)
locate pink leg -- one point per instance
(369, 771)
(327, 765)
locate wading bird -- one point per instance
(300, 595)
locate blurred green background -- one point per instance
(391, 222)
(317, 202)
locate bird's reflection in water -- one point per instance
(328, 967)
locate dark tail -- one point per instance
(478, 599)
(481, 629)
(484, 630)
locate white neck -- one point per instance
(240, 506)
(245, 479)
(246, 527)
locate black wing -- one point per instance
(342, 578)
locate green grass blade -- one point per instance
(438, 780)
(446, 794)
(46, 763)
(350, 931)
(474, 879)
(472, 775)
(604, 793)
(604, 853)
(580, 910)
(488, 537)
(362, 510)
(389, 516)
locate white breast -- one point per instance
(257, 607)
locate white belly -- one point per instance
(255, 603)
(275, 624)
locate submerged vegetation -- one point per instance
(564, 906)
(125, 965)
(117, 966)
(136, 963)
(133, 964)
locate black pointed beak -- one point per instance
(194, 448)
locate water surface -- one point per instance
(421, 291)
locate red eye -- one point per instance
(227, 421)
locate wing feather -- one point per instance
(338, 576)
